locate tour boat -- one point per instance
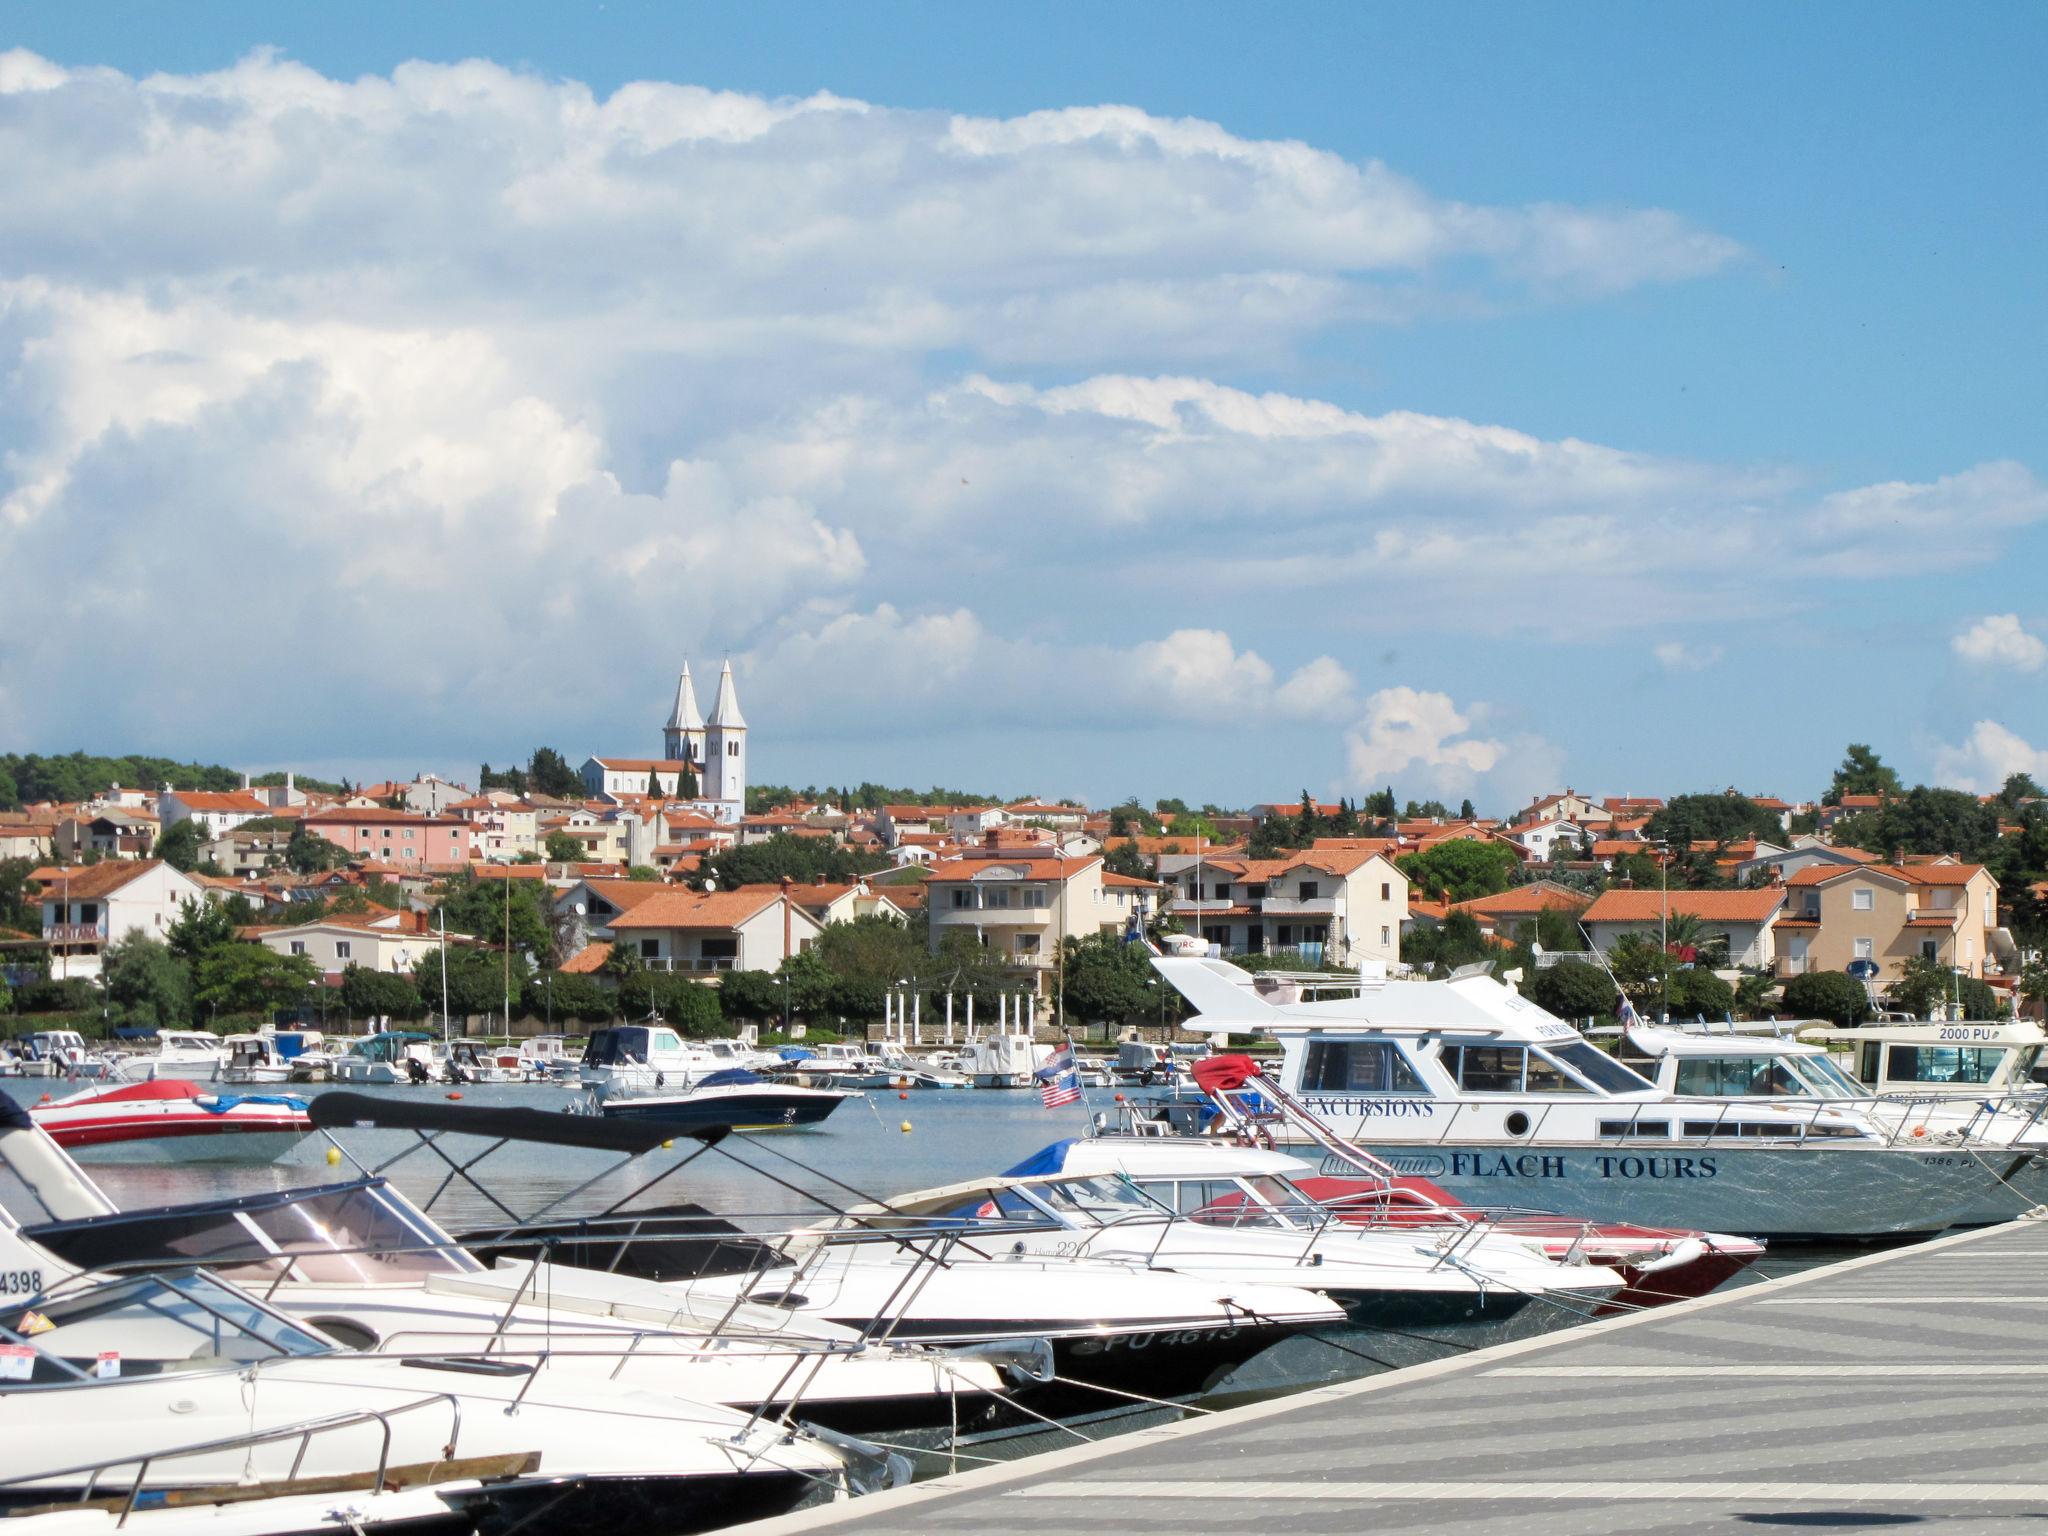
(1468, 1084)
(171, 1120)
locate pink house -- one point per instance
(396, 837)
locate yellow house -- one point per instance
(1888, 913)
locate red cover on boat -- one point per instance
(162, 1088)
(1216, 1074)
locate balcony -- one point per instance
(700, 966)
(994, 917)
(74, 933)
(1315, 906)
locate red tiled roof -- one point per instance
(589, 959)
(1721, 906)
(699, 909)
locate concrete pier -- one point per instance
(1908, 1387)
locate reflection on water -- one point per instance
(954, 1134)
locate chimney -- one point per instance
(245, 782)
(1628, 882)
(288, 786)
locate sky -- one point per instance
(1218, 401)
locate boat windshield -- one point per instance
(1099, 1200)
(349, 1234)
(181, 1321)
(1599, 1068)
(1758, 1077)
(1831, 1081)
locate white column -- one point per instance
(949, 1018)
(917, 1018)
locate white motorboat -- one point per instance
(171, 1121)
(907, 1071)
(469, 1061)
(1962, 1059)
(253, 1059)
(731, 1097)
(62, 1053)
(1468, 1084)
(1003, 1059)
(642, 1058)
(180, 1377)
(196, 1055)
(390, 1056)
(1135, 1201)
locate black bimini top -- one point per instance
(341, 1111)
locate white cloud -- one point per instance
(1406, 733)
(1677, 656)
(1986, 758)
(1999, 640)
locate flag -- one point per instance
(1059, 1080)
(1626, 1012)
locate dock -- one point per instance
(1905, 1387)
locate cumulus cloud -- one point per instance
(1999, 640)
(1405, 731)
(1986, 758)
(1677, 656)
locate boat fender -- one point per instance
(1023, 1361)
(1684, 1253)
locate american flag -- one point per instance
(1059, 1080)
(1626, 1012)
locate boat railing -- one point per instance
(304, 1432)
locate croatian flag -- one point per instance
(1059, 1080)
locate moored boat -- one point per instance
(171, 1120)
(733, 1097)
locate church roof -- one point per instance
(685, 716)
(725, 709)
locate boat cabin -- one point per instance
(1937, 1059)
(1733, 1066)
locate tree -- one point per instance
(146, 982)
(803, 859)
(1125, 859)
(179, 845)
(563, 848)
(1465, 811)
(249, 978)
(1861, 773)
(569, 997)
(308, 853)
(371, 994)
(686, 784)
(479, 908)
(200, 926)
(1572, 989)
(751, 995)
(1925, 820)
(653, 784)
(644, 873)
(1719, 819)
(1460, 869)
(476, 980)
(2018, 787)
(1640, 964)
(2034, 981)
(17, 909)
(1697, 993)
(1457, 942)
(1107, 981)
(877, 950)
(1829, 995)
(548, 773)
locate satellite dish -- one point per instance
(1862, 970)
(580, 909)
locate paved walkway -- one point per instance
(1907, 1388)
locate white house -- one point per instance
(85, 910)
(215, 811)
(753, 928)
(393, 942)
(1334, 907)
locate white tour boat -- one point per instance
(1471, 1086)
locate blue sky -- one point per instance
(1776, 272)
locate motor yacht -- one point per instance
(1963, 1059)
(1137, 1202)
(2002, 1132)
(171, 1121)
(1468, 1084)
(196, 1055)
(642, 1058)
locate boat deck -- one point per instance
(1906, 1387)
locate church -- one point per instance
(704, 762)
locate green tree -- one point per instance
(18, 907)
(1861, 773)
(2017, 787)
(549, 773)
(248, 978)
(2034, 981)
(1125, 859)
(1829, 995)
(569, 997)
(179, 845)
(369, 994)
(476, 981)
(686, 784)
(488, 909)
(803, 859)
(1456, 942)
(876, 950)
(146, 982)
(563, 848)
(1461, 869)
(1697, 993)
(1572, 989)
(308, 853)
(1108, 981)
(752, 995)
(1640, 964)
(653, 784)
(1925, 820)
(1718, 819)
(644, 873)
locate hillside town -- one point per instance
(627, 886)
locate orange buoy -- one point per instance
(902, 1095)
(454, 1095)
(1119, 1098)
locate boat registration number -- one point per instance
(21, 1282)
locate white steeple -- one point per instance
(725, 750)
(682, 739)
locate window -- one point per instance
(720, 949)
(1027, 943)
(996, 898)
(1255, 893)
(1546, 1076)
(1943, 1064)
(1386, 936)
(1310, 890)
(1864, 948)
(408, 832)
(1035, 897)
(1929, 948)
(732, 749)
(298, 946)
(88, 912)
(962, 897)
(1485, 1068)
(1386, 890)
(1861, 899)
(650, 948)
(343, 949)
(1223, 893)
(1735, 1077)
(1357, 1066)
